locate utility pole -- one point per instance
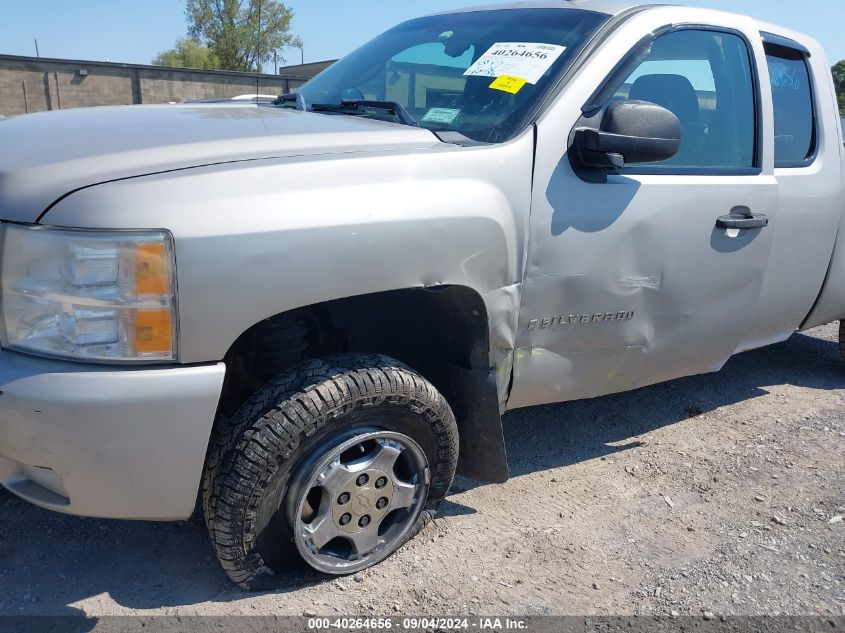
(37, 54)
(275, 62)
(258, 65)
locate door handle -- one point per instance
(742, 218)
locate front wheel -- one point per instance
(335, 464)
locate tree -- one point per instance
(188, 53)
(839, 81)
(243, 34)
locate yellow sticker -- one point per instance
(508, 83)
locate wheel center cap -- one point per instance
(363, 500)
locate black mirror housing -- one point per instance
(630, 132)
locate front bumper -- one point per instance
(113, 442)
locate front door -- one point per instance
(631, 282)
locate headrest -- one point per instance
(673, 92)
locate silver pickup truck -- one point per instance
(313, 314)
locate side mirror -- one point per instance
(630, 132)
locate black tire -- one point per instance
(284, 424)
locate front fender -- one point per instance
(257, 238)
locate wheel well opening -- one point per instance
(441, 332)
(428, 329)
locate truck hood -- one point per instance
(48, 155)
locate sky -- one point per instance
(135, 31)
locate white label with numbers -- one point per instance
(518, 59)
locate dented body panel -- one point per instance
(637, 264)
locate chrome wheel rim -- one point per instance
(355, 502)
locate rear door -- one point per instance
(632, 282)
(808, 172)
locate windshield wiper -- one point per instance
(359, 107)
(291, 97)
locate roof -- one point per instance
(610, 7)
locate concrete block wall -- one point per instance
(162, 86)
(31, 84)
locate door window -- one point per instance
(704, 77)
(792, 95)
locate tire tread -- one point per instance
(270, 426)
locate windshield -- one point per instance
(478, 73)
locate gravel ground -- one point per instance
(716, 494)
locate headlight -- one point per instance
(88, 295)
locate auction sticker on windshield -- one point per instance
(508, 83)
(517, 59)
(441, 115)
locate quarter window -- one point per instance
(792, 96)
(705, 78)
